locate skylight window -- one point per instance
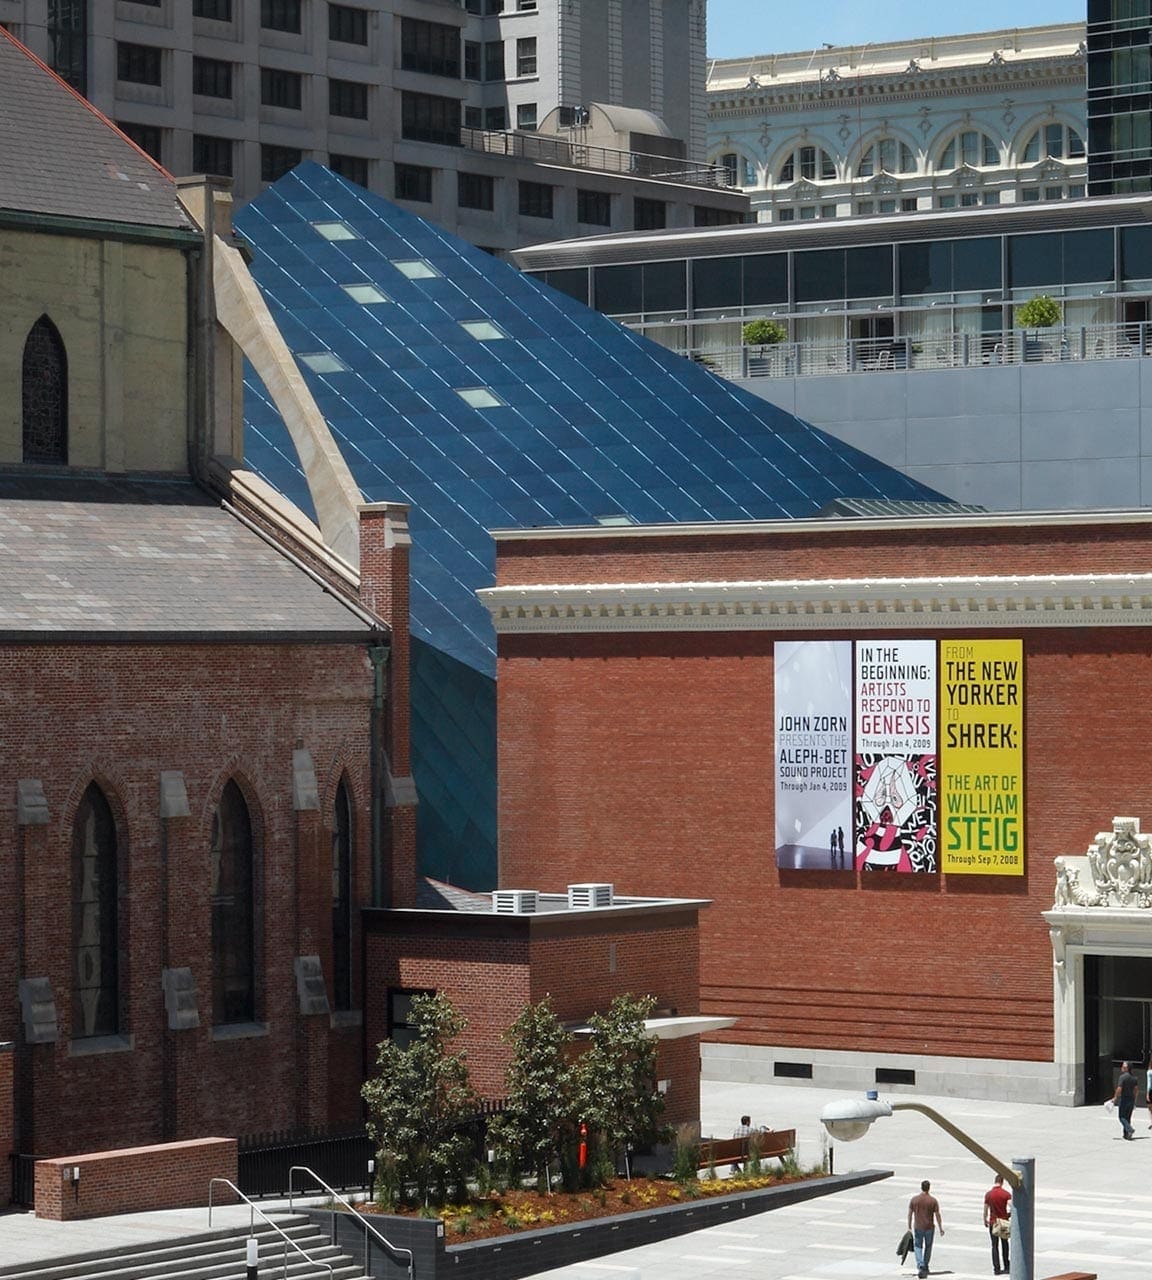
(482, 330)
(323, 362)
(478, 397)
(615, 520)
(416, 269)
(336, 231)
(365, 293)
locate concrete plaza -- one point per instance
(1091, 1200)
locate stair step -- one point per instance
(216, 1255)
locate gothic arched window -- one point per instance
(44, 383)
(95, 924)
(233, 911)
(342, 899)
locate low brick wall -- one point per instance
(170, 1175)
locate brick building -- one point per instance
(203, 716)
(660, 686)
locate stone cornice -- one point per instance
(826, 605)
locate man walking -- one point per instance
(997, 1210)
(1125, 1100)
(923, 1211)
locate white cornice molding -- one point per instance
(846, 604)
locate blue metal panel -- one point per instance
(595, 421)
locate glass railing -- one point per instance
(951, 351)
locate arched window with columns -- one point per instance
(95, 919)
(44, 391)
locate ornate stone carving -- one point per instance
(1120, 865)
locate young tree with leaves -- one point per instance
(616, 1089)
(537, 1119)
(419, 1104)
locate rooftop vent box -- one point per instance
(514, 902)
(583, 897)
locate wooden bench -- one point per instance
(770, 1144)
(1075, 1275)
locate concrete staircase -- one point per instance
(212, 1255)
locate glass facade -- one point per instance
(1119, 97)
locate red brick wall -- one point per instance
(172, 1175)
(121, 715)
(647, 760)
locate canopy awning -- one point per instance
(672, 1028)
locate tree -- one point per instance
(419, 1104)
(764, 333)
(537, 1118)
(616, 1091)
(1040, 312)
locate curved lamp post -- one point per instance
(851, 1118)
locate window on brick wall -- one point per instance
(233, 865)
(342, 862)
(95, 922)
(400, 1029)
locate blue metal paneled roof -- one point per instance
(573, 418)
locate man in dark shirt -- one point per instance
(1125, 1099)
(923, 1211)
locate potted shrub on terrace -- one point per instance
(1040, 312)
(764, 333)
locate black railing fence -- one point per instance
(339, 1157)
(23, 1179)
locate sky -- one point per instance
(749, 27)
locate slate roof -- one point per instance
(587, 419)
(93, 556)
(59, 155)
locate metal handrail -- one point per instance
(253, 1210)
(392, 1250)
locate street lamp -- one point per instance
(851, 1118)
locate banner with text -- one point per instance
(982, 756)
(813, 754)
(895, 761)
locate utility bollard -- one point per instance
(252, 1252)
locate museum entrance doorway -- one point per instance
(1117, 1020)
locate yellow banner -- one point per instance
(982, 757)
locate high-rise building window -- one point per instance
(431, 47)
(649, 215)
(425, 117)
(139, 63)
(218, 10)
(473, 67)
(148, 137)
(275, 161)
(212, 155)
(212, 77)
(281, 15)
(475, 191)
(347, 25)
(354, 168)
(594, 208)
(526, 116)
(412, 182)
(348, 98)
(281, 88)
(526, 56)
(536, 199)
(67, 31)
(95, 919)
(495, 119)
(494, 60)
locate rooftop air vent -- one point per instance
(583, 897)
(514, 902)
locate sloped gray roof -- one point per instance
(59, 155)
(89, 555)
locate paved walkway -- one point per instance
(1091, 1200)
